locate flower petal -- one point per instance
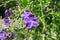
(26, 13)
(28, 25)
(31, 16)
(26, 19)
(35, 24)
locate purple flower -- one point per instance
(10, 35)
(17, 4)
(46, 8)
(3, 35)
(29, 19)
(8, 12)
(6, 21)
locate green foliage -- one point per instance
(49, 21)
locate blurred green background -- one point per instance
(49, 19)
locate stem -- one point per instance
(43, 20)
(43, 37)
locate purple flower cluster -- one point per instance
(29, 19)
(7, 12)
(6, 21)
(3, 34)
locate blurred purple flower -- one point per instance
(29, 19)
(46, 8)
(3, 30)
(17, 4)
(10, 35)
(6, 21)
(3, 35)
(8, 12)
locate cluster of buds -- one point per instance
(4, 35)
(8, 12)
